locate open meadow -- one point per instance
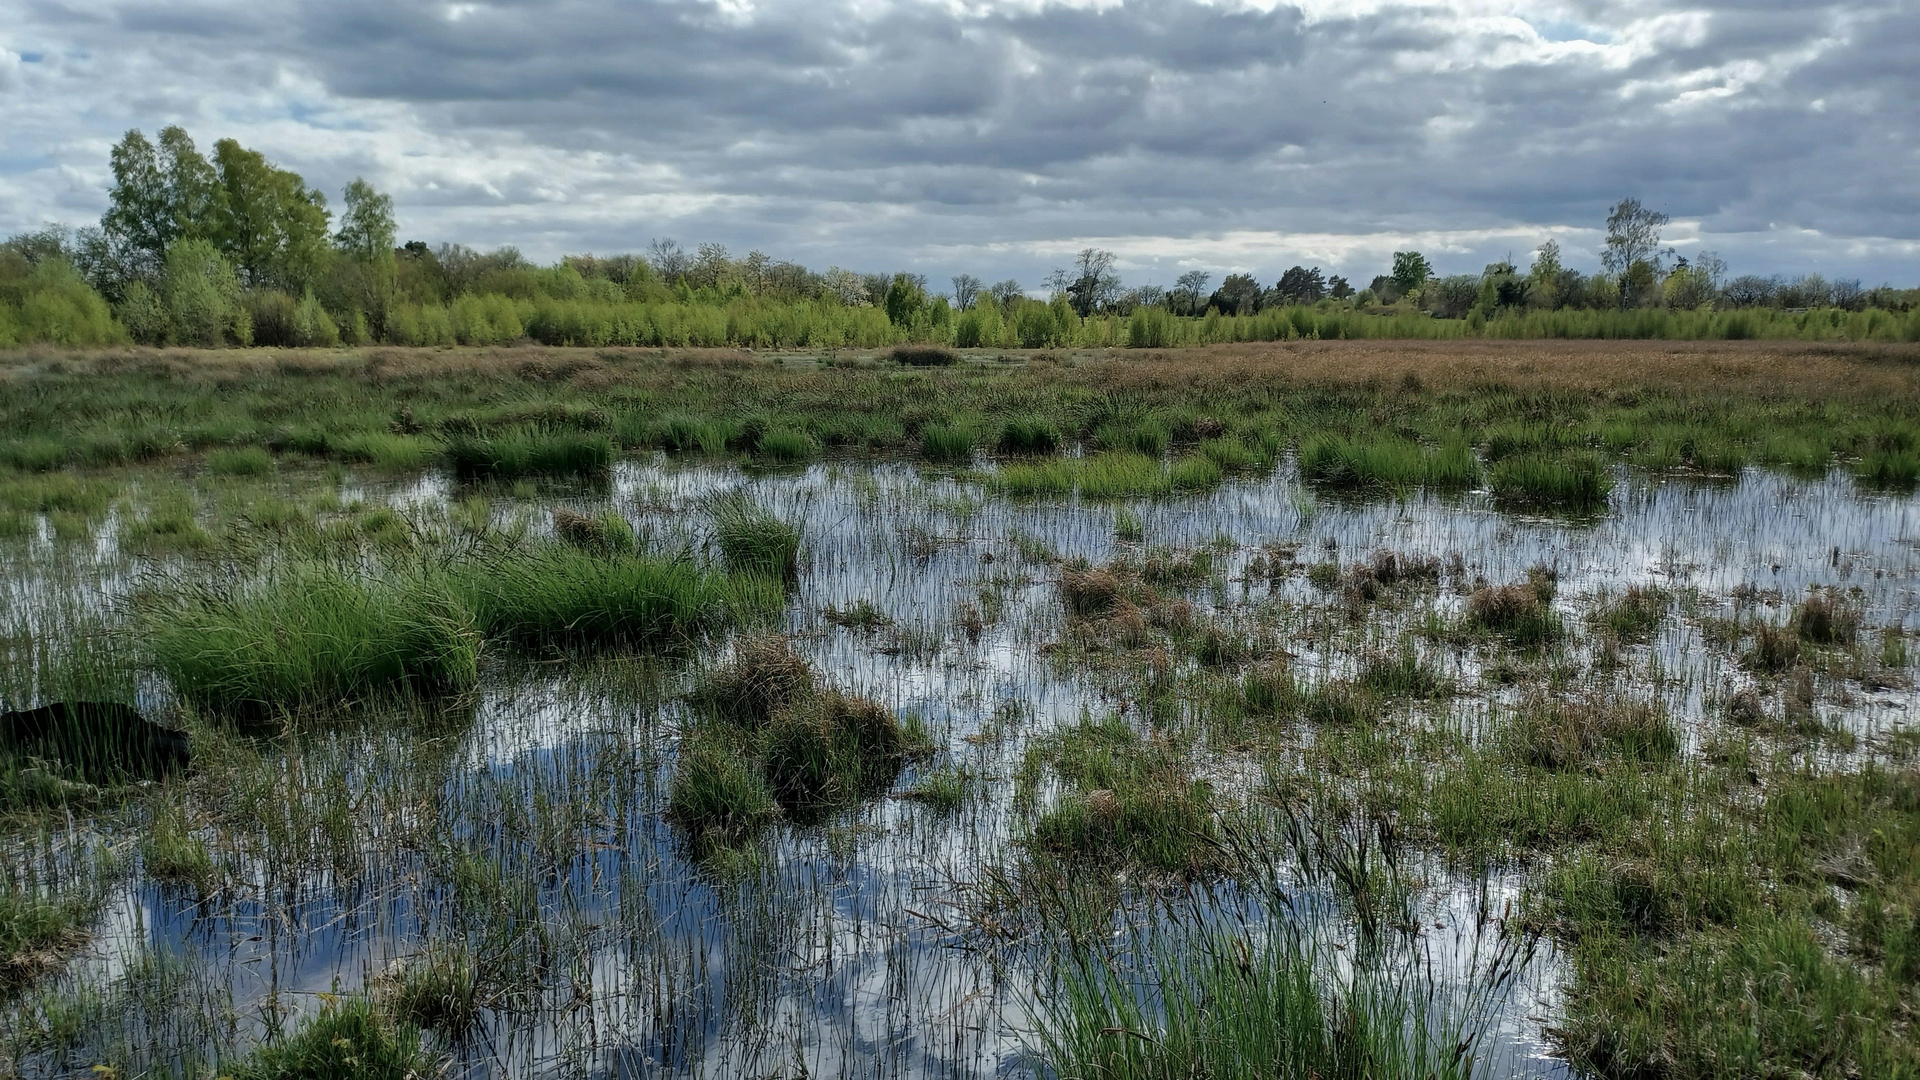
(1303, 709)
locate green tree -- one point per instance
(1632, 253)
(365, 242)
(193, 187)
(1410, 271)
(139, 220)
(906, 296)
(270, 224)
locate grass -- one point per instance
(1029, 437)
(1572, 481)
(1109, 475)
(551, 598)
(347, 1039)
(311, 634)
(1131, 801)
(438, 988)
(924, 356)
(1386, 465)
(36, 935)
(244, 461)
(753, 540)
(947, 444)
(528, 453)
(770, 740)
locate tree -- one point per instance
(268, 223)
(1338, 287)
(365, 241)
(1300, 285)
(140, 216)
(906, 296)
(966, 291)
(366, 224)
(669, 260)
(193, 186)
(1410, 271)
(1190, 289)
(202, 296)
(1091, 284)
(1006, 292)
(1633, 237)
(1239, 294)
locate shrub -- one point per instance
(924, 355)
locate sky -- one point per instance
(1000, 137)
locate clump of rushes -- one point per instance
(36, 934)
(555, 597)
(438, 987)
(1130, 801)
(783, 446)
(346, 1039)
(1029, 436)
(753, 540)
(924, 355)
(947, 444)
(528, 453)
(311, 634)
(606, 532)
(244, 461)
(1824, 619)
(1520, 613)
(767, 739)
(1560, 735)
(1385, 465)
(1635, 614)
(1571, 481)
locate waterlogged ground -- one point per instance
(883, 941)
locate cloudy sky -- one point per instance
(997, 138)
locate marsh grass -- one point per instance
(348, 1039)
(753, 540)
(508, 455)
(1574, 481)
(768, 740)
(243, 461)
(948, 444)
(785, 446)
(1109, 475)
(1386, 465)
(559, 598)
(1129, 801)
(439, 987)
(1029, 437)
(37, 934)
(310, 634)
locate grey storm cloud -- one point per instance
(988, 135)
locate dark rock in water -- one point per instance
(102, 741)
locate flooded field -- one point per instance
(1330, 711)
(501, 865)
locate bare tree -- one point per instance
(1092, 283)
(966, 291)
(1006, 292)
(669, 259)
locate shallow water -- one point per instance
(847, 948)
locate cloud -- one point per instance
(995, 137)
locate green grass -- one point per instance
(1130, 801)
(528, 453)
(1108, 475)
(439, 988)
(753, 540)
(244, 461)
(783, 446)
(1386, 465)
(1029, 437)
(310, 634)
(36, 934)
(1229, 1003)
(347, 1040)
(769, 740)
(947, 444)
(558, 597)
(1574, 481)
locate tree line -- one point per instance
(227, 248)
